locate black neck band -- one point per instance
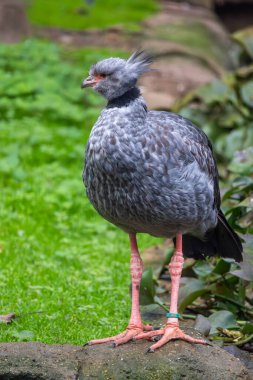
(125, 99)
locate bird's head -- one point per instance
(113, 77)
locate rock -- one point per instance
(37, 361)
(192, 47)
(173, 78)
(203, 325)
(176, 360)
(245, 357)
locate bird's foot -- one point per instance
(131, 332)
(170, 332)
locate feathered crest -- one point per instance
(140, 62)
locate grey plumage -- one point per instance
(153, 172)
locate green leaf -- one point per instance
(245, 273)
(222, 267)
(224, 319)
(147, 288)
(202, 268)
(242, 162)
(23, 336)
(215, 92)
(246, 92)
(247, 328)
(227, 144)
(190, 292)
(245, 39)
(224, 292)
(246, 266)
(245, 71)
(168, 257)
(246, 220)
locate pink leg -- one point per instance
(172, 330)
(135, 325)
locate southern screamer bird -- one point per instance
(153, 172)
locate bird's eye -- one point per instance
(102, 75)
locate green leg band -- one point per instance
(172, 315)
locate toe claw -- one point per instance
(150, 350)
(114, 345)
(156, 338)
(86, 344)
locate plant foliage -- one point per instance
(217, 288)
(81, 14)
(60, 262)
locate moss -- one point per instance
(80, 14)
(191, 34)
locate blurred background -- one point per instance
(64, 269)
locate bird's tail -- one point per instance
(222, 241)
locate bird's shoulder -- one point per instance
(186, 140)
(181, 134)
(178, 126)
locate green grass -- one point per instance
(57, 255)
(79, 15)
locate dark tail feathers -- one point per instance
(221, 241)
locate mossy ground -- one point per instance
(90, 14)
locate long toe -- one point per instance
(130, 334)
(148, 328)
(124, 337)
(174, 332)
(150, 334)
(106, 340)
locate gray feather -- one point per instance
(148, 171)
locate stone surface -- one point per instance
(192, 48)
(37, 361)
(177, 360)
(245, 357)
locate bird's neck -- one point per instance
(128, 99)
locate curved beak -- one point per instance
(88, 82)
